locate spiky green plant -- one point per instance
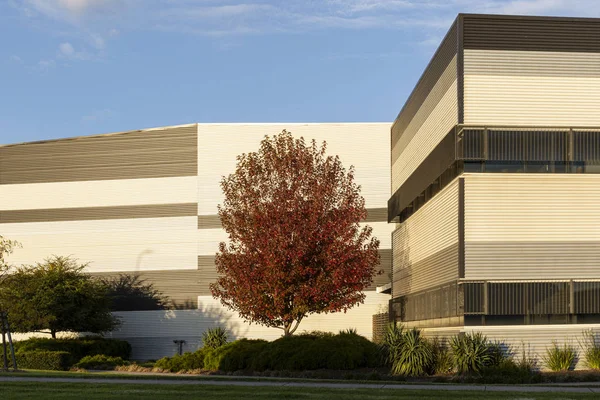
(214, 337)
(443, 363)
(559, 358)
(416, 355)
(591, 350)
(471, 352)
(392, 343)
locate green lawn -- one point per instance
(92, 391)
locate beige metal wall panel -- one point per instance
(425, 252)
(439, 122)
(364, 145)
(503, 87)
(110, 245)
(527, 226)
(105, 193)
(430, 103)
(141, 154)
(151, 333)
(535, 339)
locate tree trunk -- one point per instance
(53, 333)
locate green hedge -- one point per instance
(344, 351)
(78, 347)
(46, 360)
(100, 361)
(186, 361)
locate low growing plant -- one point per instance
(214, 337)
(591, 350)
(392, 343)
(100, 361)
(470, 352)
(442, 358)
(415, 357)
(560, 358)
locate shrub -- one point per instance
(235, 356)
(392, 343)
(416, 356)
(214, 337)
(471, 352)
(100, 361)
(442, 358)
(509, 372)
(559, 358)
(591, 350)
(78, 347)
(44, 360)
(184, 362)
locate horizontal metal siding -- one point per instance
(108, 193)
(536, 339)
(146, 154)
(527, 226)
(110, 245)
(424, 113)
(439, 63)
(432, 132)
(151, 333)
(497, 32)
(425, 252)
(531, 88)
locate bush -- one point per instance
(214, 337)
(184, 362)
(472, 352)
(509, 372)
(392, 343)
(239, 355)
(591, 350)
(44, 360)
(78, 347)
(442, 358)
(559, 358)
(416, 356)
(100, 361)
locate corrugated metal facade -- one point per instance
(146, 203)
(425, 247)
(532, 226)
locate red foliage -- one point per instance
(296, 247)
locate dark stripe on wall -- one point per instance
(460, 70)
(436, 67)
(146, 154)
(213, 221)
(208, 273)
(99, 213)
(182, 287)
(498, 32)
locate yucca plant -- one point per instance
(442, 357)
(559, 358)
(416, 355)
(214, 337)
(392, 342)
(591, 350)
(471, 352)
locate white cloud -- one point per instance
(16, 59)
(98, 115)
(66, 49)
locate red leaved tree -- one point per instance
(295, 245)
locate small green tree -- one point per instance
(56, 296)
(6, 247)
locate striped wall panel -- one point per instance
(151, 333)
(425, 252)
(103, 193)
(419, 103)
(441, 120)
(507, 87)
(110, 245)
(364, 145)
(140, 154)
(528, 226)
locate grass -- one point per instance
(90, 391)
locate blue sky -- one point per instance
(80, 67)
